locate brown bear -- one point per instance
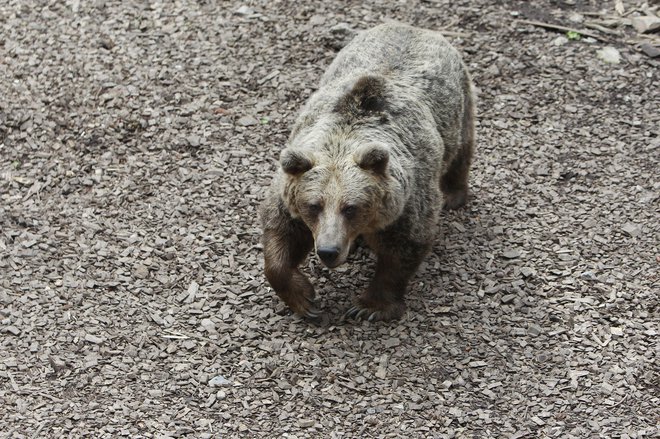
(380, 147)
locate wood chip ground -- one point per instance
(136, 140)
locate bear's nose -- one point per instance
(328, 254)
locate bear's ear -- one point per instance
(295, 161)
(372, 158)
(366, 96)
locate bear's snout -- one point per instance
(329, 256)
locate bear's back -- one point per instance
(423, 72)
(402, 54)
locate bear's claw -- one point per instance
(351, 313)
(357, 313)
(310, 310)
(388, 311)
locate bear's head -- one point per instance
(353, 191)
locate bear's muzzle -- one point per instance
(329, 256)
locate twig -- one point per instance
(628, 12)
(449, 33)
(557, 27)
(13, 383)
(51, 397)
(616, 404)
(600, 28)
(641, 38)
(452, 23)
(175, 337)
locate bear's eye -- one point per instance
(314, 208)
(349, 211)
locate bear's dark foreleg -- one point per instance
(285, 248)
(395, 266)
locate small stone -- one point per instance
(244, 10)
(493, 70)
(538, 421)
(93, 339)
(543, 170)
(618, 7)
(650, 50)
(193, 140)
(646, 24)
(501, 124)
(208, 325)
(560, 41)
(574, 375)
(340, 35)
(617, 332)
(140, 271)
(106, 42)
(534, 330)
(570, 108)
(317, 20)
(527, 272)
(157, 318)
(12, 330)
(576, 17)
(606, 388)
(631, 229)
(609, 55)
(511, 253)
(508, 298)
(588, 275)
(193, 288)
(477, 363)
(56, 363)
(219, 381)
(343, 30)
(247, 121)
(221, 395)
(392, 342)
(4, 297)
(458, 226)
(306, 423)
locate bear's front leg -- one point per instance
(395, 266)
(285, 248)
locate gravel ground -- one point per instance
(136, 140)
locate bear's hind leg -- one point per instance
(284, 250)
(384, 298)
(454, 182)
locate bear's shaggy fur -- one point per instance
(387, 138)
